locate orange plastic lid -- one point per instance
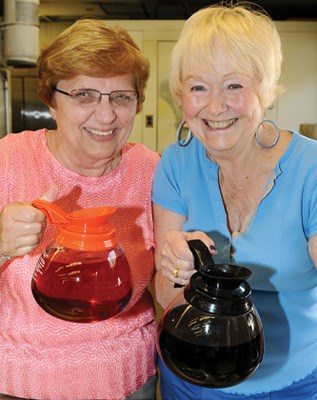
(86, 229)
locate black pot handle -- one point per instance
(201, 253)
(202, 256)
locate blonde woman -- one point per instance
(247, 188)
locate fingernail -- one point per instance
(212, 247)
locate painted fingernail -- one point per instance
(212, 247)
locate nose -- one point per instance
(217, 103)
(104, 111)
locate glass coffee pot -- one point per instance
(211, 334)
(83, 275)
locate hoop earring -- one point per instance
(277, 134)
(185, 142)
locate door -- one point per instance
(5, 103)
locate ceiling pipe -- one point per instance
(21, 33)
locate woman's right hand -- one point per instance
(174, 260)
(22, 226)
(177, 261)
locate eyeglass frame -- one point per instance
(100, 94)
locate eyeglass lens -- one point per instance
(92, 96)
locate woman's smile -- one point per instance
(99, 132)
(220, 124)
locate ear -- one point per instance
(52, 112)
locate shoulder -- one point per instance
(140, 154)
(22, 143)
(303, 148)
(23, 138)
(191, 156)
(300, 161)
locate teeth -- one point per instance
(221, 124)
(99, 133)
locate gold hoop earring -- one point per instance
(277, 134)
(183, 142)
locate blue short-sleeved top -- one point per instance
(274, 246)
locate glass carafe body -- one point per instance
(207, 349)
(82, 286)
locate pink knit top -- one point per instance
(43, 357)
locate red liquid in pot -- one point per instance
(87, 291)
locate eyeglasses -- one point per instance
(92, 97)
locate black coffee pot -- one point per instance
(211, 334)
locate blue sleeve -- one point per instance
(310, 205)
(166, 190)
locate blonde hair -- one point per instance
(248, 37)
(90, 47)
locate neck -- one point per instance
(82, 164)
(238, 169)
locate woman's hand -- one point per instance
(173, 259)
(177, 261)
(22, 226)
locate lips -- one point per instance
(99, 133)
(220, 124)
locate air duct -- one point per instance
(21, 32)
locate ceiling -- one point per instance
(63, 10)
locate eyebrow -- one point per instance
(230, 75)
